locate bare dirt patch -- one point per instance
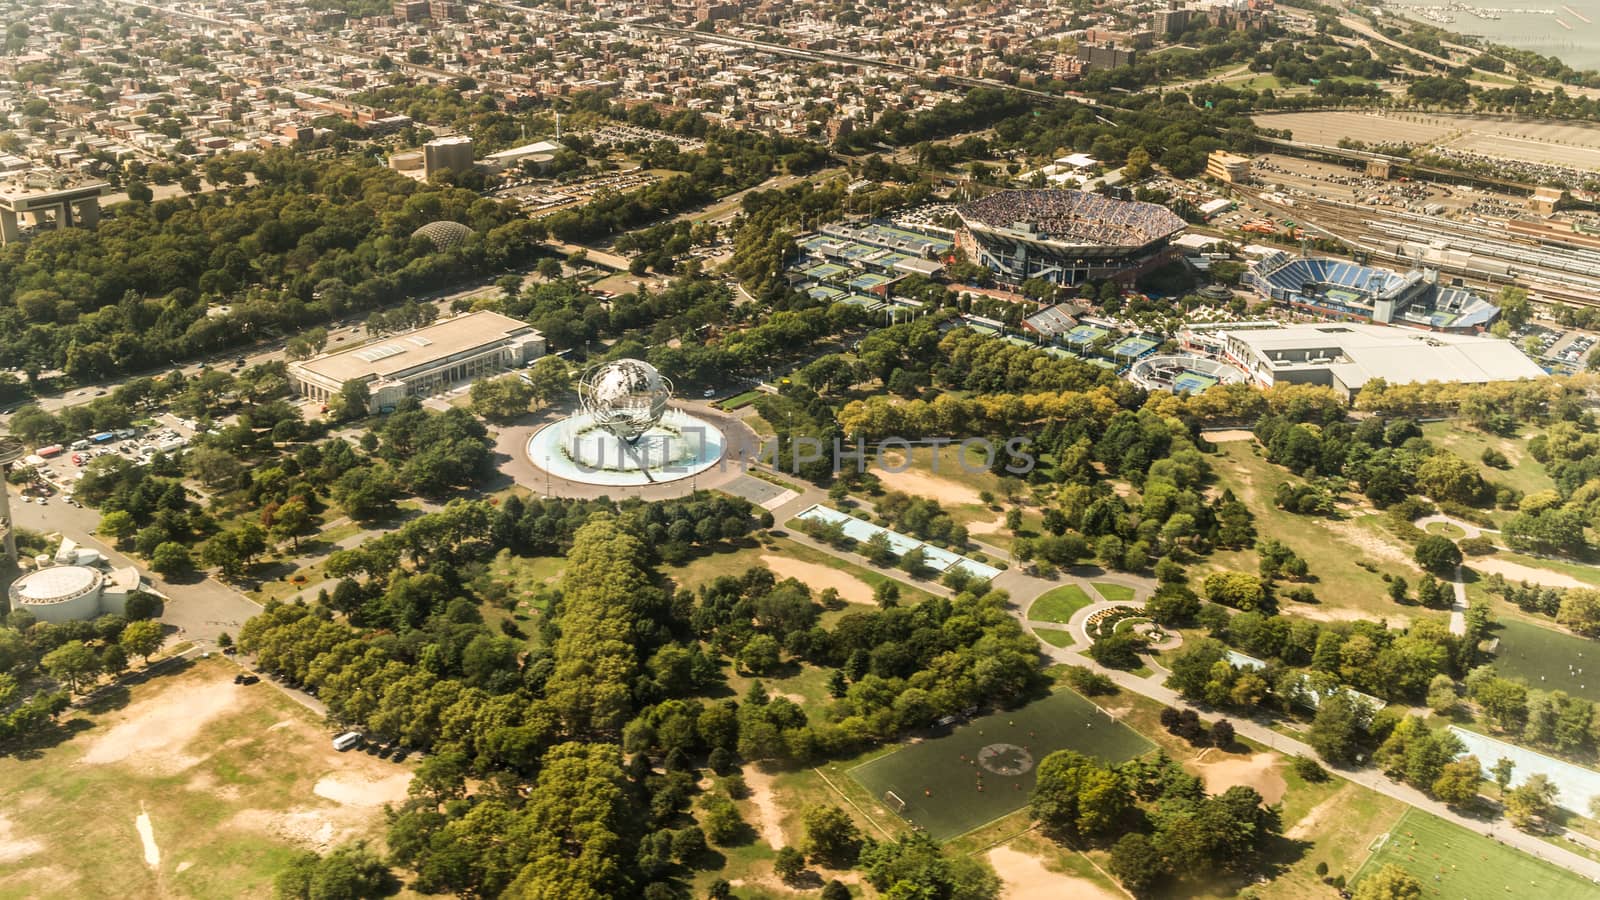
(924, 484)
(769, 819)
(1228, 435)
(147, 836)
(1258, 771)
(351, 791)
(992, 526)
(1309, 823)
(1025, 878)
(1325, 614)
(1370, 544)
(819, 577)
(159, 731)
(1514, 571)
(12, 847)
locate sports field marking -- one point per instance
(986, 769)
(1452, 862)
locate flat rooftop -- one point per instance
(396, 353)
(1359, 353)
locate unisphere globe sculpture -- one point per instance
(624, 433)
(627, 397)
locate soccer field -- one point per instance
(1453, 863)
(1548, 659)
(986, 768)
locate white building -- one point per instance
(72, 592)
(1346, 356)
(424, 362)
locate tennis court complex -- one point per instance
(1133, 347)
(986, 768)
(1452, 862)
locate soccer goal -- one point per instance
(893, 801)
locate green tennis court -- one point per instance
(1133, 347)
(1343, 295)
(1453, 862)
(986, 768)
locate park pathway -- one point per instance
(1024, 588)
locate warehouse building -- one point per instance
(424, 362)
(1347, 356)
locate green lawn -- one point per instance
(1058, 604)
(1525, 473)
(1334, 550)
(1445, 529)
(948, 792)
(1116, 593)
(1540, 656)
(1055, 637)
(1451, 861)
(740, 401)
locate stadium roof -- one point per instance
(1358, 353)
(1071, 217)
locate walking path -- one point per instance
(1025, 588)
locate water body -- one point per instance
(1552, 27)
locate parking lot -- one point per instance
(58, 467)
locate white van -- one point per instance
(347, 740)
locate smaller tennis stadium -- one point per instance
(1183, 374)
(987, 768)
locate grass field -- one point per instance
(1055, 637)
(1333, 549)
(1116, 593)
(1532, 653)
(235, 780)
(1525, 473)
(1058, 604)
(948, 792)
(1451, 862)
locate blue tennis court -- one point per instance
(1083, 335)
(1343, 295)
(1192, 383)
(825, 271)
(1133, 347)
(866, 281)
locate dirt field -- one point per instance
(1025, 878)
(769, 819)
(923, 484)
(819, 578)
(1258, 771)
(1514, 571)
(1556, 143)
(193, 787)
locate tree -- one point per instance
(760, 654)
(549, 380)
(1580, 611)
(72, 662)
(171, 558)
(721, 821)
(1389, 883)
(1336, 731)
(142, 638)
(1457, 785)
(835, 890)
(832, 837)
(1136, 863)
(501, 399)
(1530, 801)
(1222, 734)
(1076, 796)
(1502, 772)
(1442, 694)
(1235, 589)
(1438, 554)
(789, 864)
(348, 873)
(1138, 165)
(119, 525)
(290, 520)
